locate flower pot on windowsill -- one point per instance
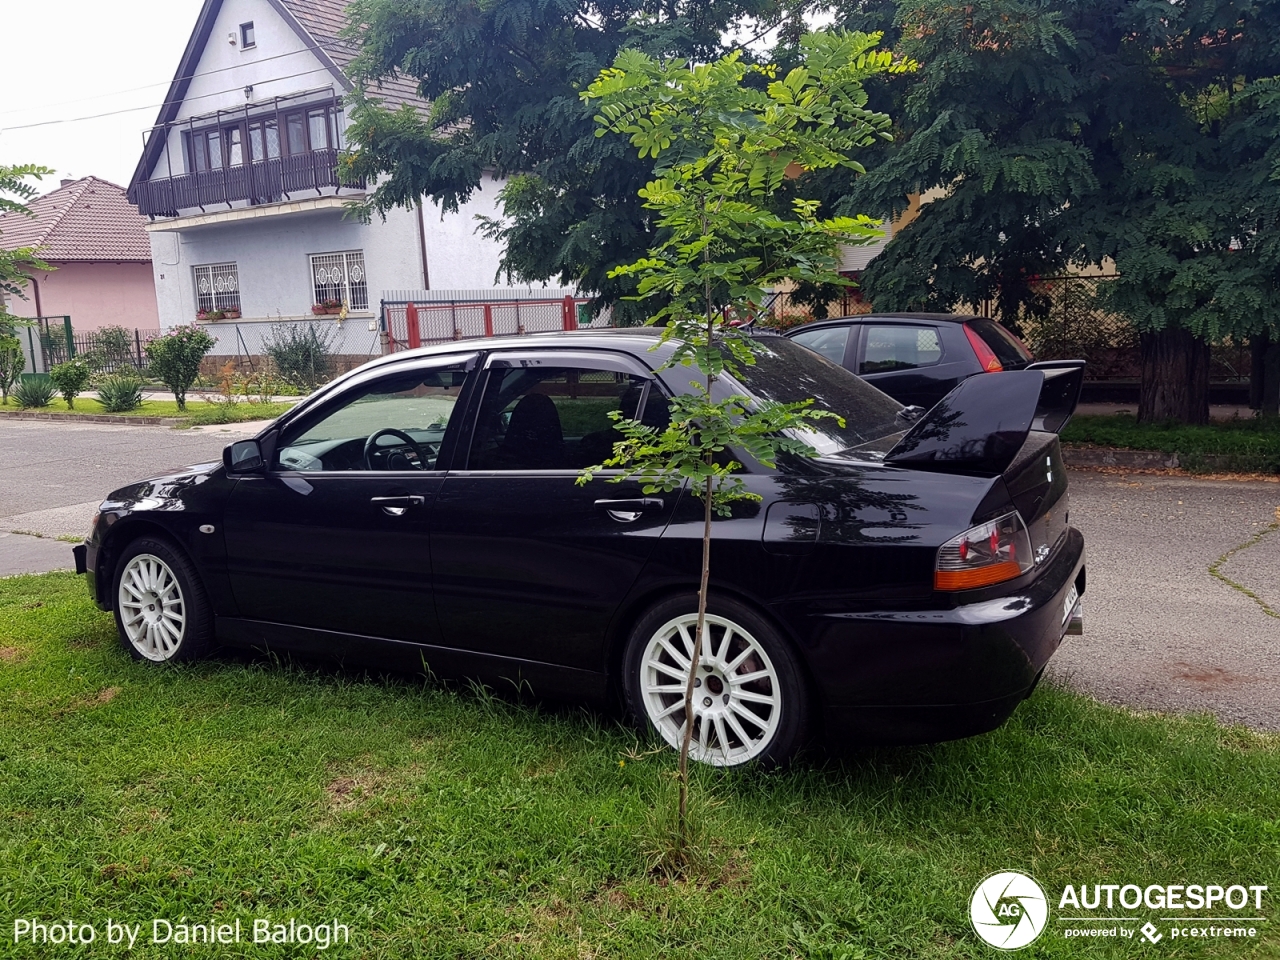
(332, 311)
(318, 310)
(204, 315)
(231, 314)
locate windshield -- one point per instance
(787, 372)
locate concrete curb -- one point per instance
(1087, 455)
(94, 418)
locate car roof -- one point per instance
(864, 317)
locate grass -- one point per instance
(1244, 446)
(199, 412)
(438, 823)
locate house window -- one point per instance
(264, 139)
(246, 35)
(204, 150)
(341, 277)
(297, 134)
(217, 287)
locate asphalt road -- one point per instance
(1161, 632)
(53, 476)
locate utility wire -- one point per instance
(158, 83)
(113, 113)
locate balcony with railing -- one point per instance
(285, 153)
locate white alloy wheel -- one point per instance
(737, 695)
(153, 613)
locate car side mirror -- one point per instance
(243, 457)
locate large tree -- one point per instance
(1076, 132)
(503, 78)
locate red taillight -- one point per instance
(989, 362)
(989, 553)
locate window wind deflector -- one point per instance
(598, 360)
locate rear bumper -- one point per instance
(921, 676)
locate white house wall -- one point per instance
(458, 256)
(272, 257)
(278, 65)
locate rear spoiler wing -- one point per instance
(980, 426)
(1063, 380)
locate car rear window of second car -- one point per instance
(1007, 348)
(900, 346)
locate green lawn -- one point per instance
(449, 824)
(198, 412)
(1246, 446)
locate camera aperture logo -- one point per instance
(1008, 910)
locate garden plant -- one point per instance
(174, 359)
(733, 225)
(70, 379)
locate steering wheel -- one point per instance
(370, 447)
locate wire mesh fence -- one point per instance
(1077, 326)
(107, 350)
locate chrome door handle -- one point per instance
(633, 503)
(396, 506)
(629, 509)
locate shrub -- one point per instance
(34, 391)
(174, 359)
(120, 392)
(113, 348)
(71, 378)
(11, 363)
(301, 353)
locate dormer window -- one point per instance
(246, 36)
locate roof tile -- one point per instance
(88, 219)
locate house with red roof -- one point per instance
(98, 243)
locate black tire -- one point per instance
(772, 740)
(194, 636)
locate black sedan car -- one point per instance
(916, 358)
(907, 585)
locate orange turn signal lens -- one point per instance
(982, 577)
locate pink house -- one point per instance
(88, 230)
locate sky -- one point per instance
(66, 63)
(67, 59)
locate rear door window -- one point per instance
(831, 342)
(557, 418)
(900, 346)
(1007, 348)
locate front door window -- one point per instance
(397, 423)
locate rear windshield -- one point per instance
(1007, 348)
(786, 372)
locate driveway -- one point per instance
(53, 475)
(1161, 631)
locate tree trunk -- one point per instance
(1264, 381)
(1175, 378)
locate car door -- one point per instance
(335, 535)
(529, 563)
(908, 362)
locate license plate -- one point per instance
(1069, 604)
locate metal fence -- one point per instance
(1075, 326)
(416, 320)
(107, 350)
